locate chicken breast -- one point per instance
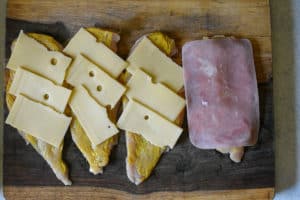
(222, 94)
(97, 157)
(51, 154)
(142, 156)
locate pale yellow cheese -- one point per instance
(38, 120)
(32, 55)
(155, 63)
(86, 44)
(39, 89)
(92, 116)
(105, 89)
(136, 118)
(154, 95)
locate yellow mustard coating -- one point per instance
(141, 154)
(97, 157)
(51, 154)
(163, 42)
(101, 35)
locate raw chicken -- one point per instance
(97, 157)
(50, 153)
(222, 95)
(142, 156)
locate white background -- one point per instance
(286, 72)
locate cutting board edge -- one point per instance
(48, 192)
(19, 192)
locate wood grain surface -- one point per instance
(181, 20)
(64, 193)
(185, 171)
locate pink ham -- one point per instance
(221, 92)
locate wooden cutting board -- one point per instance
(185, 172)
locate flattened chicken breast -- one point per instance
(142, 156)
(97, 157)
(51, 154)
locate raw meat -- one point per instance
(51, 154)
(142, 156)
(221, 91)
(97, 157)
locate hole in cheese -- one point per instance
(146, 117)
(91, 74)
(99, 88)
(53, 61)
(153, 80)
(46, 96)
(108, 126)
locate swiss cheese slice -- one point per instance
(38, 120)
(160, 67)
(105, 89)
(32, 55)
(86, 44)
(154, 95)
(136, 118)
(39, 89)
(92, 117)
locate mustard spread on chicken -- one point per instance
(142, 156)
(50, 153)
(97, 157)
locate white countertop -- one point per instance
(286, 75)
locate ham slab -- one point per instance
(221, 91)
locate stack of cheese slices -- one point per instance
(153, 110)
(86, 77)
